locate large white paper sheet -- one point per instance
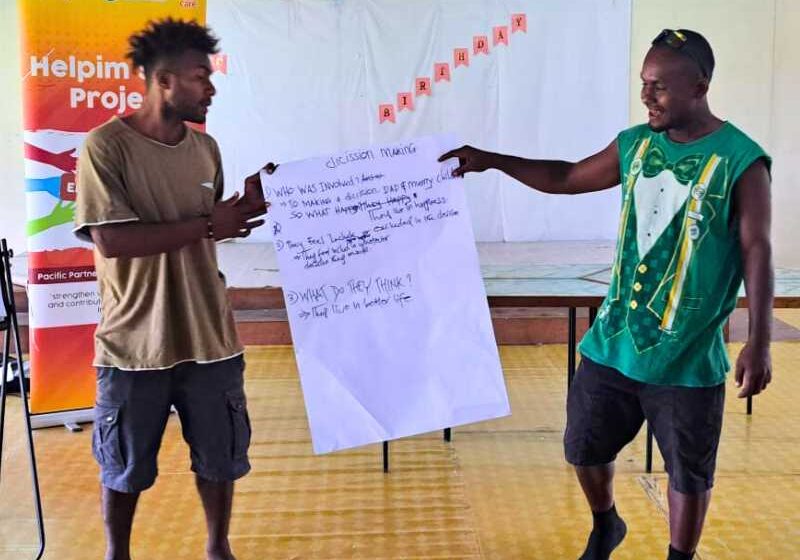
(383, 290)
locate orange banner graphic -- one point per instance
(74, 77)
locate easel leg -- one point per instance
(6, 286)
(571, 344)
(6, 348)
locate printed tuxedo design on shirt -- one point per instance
(660, 195)
(667, 213)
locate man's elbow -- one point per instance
(105, 241)
(758, 248)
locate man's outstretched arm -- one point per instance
(595, 173)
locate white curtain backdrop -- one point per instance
(306, 77)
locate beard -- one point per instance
(195, 119)
(186, 112)
(194, 115)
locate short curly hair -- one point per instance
(168, 38)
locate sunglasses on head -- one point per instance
(672, 38)
(677, 41)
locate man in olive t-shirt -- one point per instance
(149, 197)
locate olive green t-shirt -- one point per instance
(159, 310)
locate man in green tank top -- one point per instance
(695, 222)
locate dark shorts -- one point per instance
(131, 413)
(605, 411)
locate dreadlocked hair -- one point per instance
(168, 38)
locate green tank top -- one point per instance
(678, 268)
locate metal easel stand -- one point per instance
(447, 436)
(10, 328)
